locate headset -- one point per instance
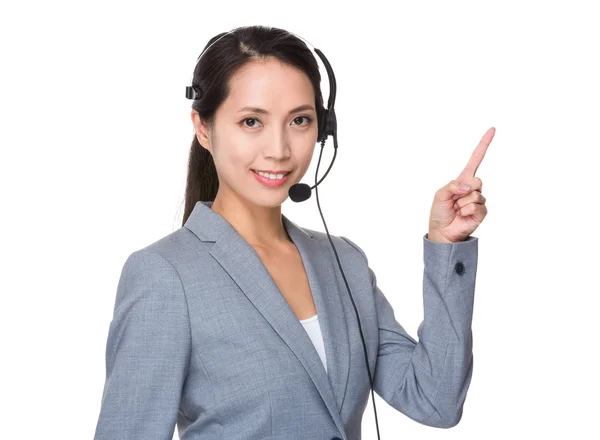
(300, 192)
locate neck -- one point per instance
(259, 226)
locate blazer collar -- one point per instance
(245, 267)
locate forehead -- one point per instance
(269, 84)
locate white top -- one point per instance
(312, 327)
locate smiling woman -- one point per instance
(238, 326)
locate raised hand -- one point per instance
(456, 211)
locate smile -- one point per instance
(270, 180)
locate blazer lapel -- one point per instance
(318, 260)
(245, 267)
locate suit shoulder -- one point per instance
(171, 246)
(356, 247)
(340, 242)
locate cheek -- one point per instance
(306, 154)
(233, 152)
(233, 164)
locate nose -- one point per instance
(278, 145)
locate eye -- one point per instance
(308, 119)
(249, 119)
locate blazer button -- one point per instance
(459, 268)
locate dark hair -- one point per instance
(212, 74)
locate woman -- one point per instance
(238, 324)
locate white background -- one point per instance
(95, 134)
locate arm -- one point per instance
(147, 352)
(428, 380)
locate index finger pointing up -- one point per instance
(478, 154)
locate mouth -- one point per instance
(271, 180)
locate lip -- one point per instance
(271, 183)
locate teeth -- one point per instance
(270, 176)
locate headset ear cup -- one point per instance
(323, 126)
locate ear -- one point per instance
(201, 131)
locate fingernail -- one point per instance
(464, 187)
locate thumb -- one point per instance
(446, 192)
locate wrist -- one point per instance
(438, 238)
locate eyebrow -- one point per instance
(263, 111)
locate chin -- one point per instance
(272, 201)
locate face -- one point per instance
(273, 136)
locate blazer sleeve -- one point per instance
(428, 380)
(147, 352)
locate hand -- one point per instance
(456, 213)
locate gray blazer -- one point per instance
(202, 338)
